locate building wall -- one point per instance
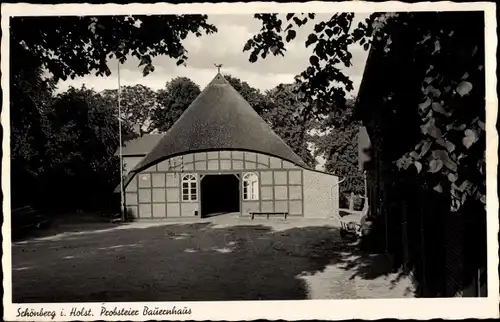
(321, 195)
(156, 192)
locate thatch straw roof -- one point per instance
(218, 119)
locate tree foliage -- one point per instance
(451, 151)
(280, 108)
(136, 104)
(330, 41)
(339, 146)
(424, 104)
(172, 101)
(448, 63)
(67, 47)
(253, 96)
(284, 116)
(80, 133)
(73, 46)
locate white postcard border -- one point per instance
(455, 308)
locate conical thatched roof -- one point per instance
(219, 119)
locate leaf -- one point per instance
(314, 60)
(418, 165)
(428, 80)
(311, 39)
(470, 138)
(253, 57)
(435, 165)
(431, 129)
(290, 35)
(464, 186)
(319, 27)
(436, 93)
(248, 45)
(425, 104)
(483, 199)
(445, 158)
(289, 16)
(438, 188)
(366, 46)
(464, 88)
(452, 177)
(439, 108)
(481, 124)
(403, 163)
(444, 143)
(425, 148)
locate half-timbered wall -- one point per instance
(157, 192)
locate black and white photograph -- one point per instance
(156, 158)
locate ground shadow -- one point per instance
(182, 262)
(215, 214)
(67, 223)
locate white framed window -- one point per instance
(189, 187)
(250, 186)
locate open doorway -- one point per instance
(220, 194)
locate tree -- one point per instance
(136, 104)
(76, 46)
(29, 93)
(82, 138)
(331, 39)
(339, 145)
(427, 117)
(252, 95)
(172, 101)
(448, 62)
(284, 116)
(280, 108)
(73, 46)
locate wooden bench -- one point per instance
(268, 214)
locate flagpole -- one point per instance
(122, 195)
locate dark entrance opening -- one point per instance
(220, 194)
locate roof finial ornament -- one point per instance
(218, 67)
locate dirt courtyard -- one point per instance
(221, 258)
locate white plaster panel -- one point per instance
(145, 210)
(144, 180)
(280, 192)
(145, 195)
(131, 198)
(159, 210)
(158, 179)
(173, 210)
(158, 194)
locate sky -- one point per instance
(225, 47)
